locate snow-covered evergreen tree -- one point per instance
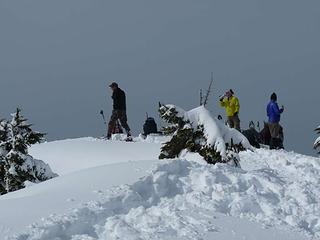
(196, 131)
(17, 166)
(317, 142)
(3, 152)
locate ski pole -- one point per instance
(103, 117)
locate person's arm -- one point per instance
(223, 102)
(282, 109)
(276, 109)
(116, 99)
(237, 106)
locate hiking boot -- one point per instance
(276, 144)
(129, 137)
(273, 143)
(108, 136)
(279, 143)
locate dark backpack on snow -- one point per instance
(150, 126)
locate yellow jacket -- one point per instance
(231, 104)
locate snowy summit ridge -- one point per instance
(179, 199)
(132, 195)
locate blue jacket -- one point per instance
(274, 112)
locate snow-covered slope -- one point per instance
(68, 156)
(274, 195)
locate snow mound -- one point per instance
(179, 199)
(38, 169)
(72, 155)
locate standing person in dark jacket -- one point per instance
(274, 115)
(119, 110)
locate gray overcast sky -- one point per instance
(57, 57)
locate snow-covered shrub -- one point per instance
(197, 131)
(317, 142)
(17, 166)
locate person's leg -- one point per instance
(236, 122)
(124, 122)
(274, 132)
(273, 143)
(278, 137)
(112, 123)
(230, 122)
(279, 144)
(271, 129)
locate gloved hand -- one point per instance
(222, 97)
(235, 114)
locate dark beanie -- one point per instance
(114, 84)
(274, 97)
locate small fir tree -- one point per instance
(317, 142)
(17, 165)
(4, 147)
(184, 136)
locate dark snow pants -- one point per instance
(276, 132)
(234, 122)
(120, 115)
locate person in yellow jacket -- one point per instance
(232, 105)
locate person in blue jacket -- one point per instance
(274, 115)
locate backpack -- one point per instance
(150, 126)
(252, 135)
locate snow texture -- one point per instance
(72, 155)
(184, 199)
(38, 168)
